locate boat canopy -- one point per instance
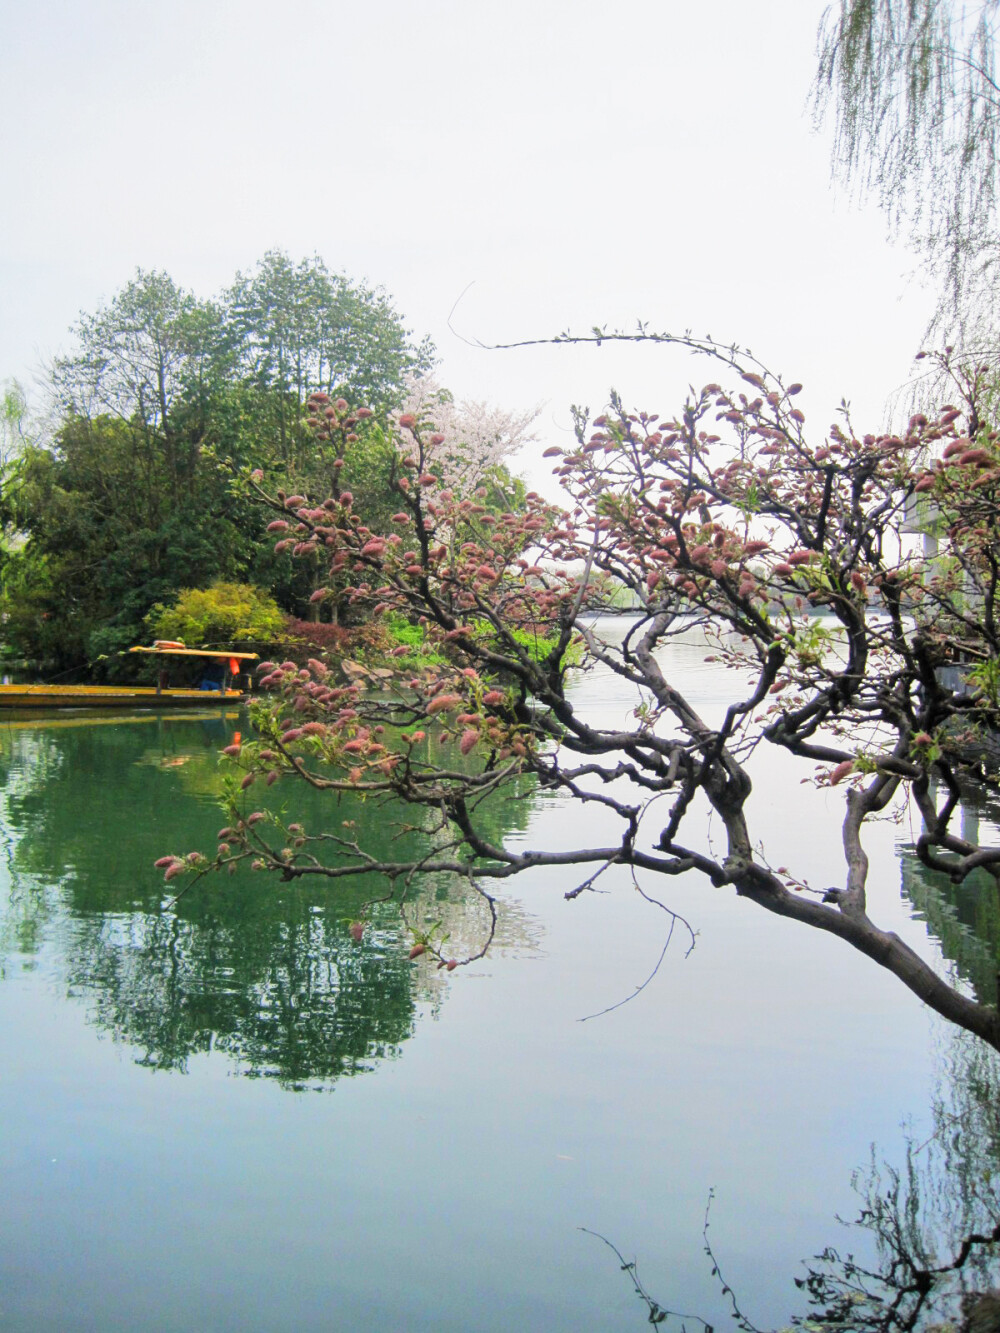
(165, 648)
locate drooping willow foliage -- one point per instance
(912, 87)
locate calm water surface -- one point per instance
(225, 1114)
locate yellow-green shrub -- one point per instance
(223, 614)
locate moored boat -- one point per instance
(213, 690)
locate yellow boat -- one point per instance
(161, 695)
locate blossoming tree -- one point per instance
(478, 439)
(790, 550)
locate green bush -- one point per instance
(538, 646)
(219, 616)
(403, 634)
(400, 632)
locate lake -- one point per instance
(226, 1114)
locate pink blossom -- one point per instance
(442, 702)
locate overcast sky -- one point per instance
(561, 164)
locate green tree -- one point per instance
(164, 397)
(105, 539)
(299, 328)
(14, 441)
(150, 359)
(13, 425)
(912, 87)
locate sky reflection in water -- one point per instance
(159, 1171)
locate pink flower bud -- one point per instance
(442, 702)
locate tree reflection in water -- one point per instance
(935, 1223)
(931, 1230)
(269, 975)
(266, 973)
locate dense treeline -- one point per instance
(163, 402)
